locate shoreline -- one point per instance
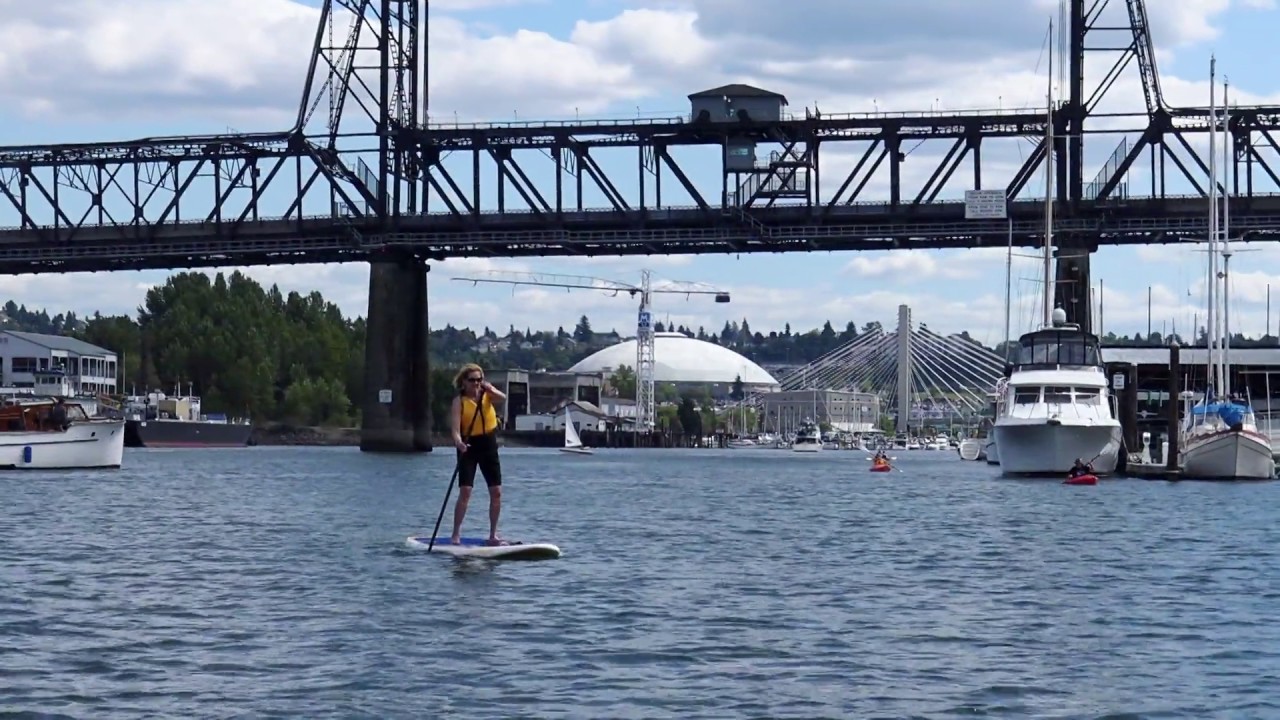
(282, 435)
(285, 435)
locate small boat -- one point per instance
(808, 438)
(1086, 479)
(33, 437)
(572, 443)
(881, 467)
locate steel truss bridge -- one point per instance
(355, 176)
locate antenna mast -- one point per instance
(1048, 193)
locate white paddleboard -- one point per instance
(476, 548)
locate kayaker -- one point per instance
(1080, 468)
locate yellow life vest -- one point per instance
(487, 423)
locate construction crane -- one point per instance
(645, 412)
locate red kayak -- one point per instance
(1081, 480)
(880, 468)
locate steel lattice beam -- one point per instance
(376, 178)
(186, 201)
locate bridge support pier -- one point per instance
(396, 412)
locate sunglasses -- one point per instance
(475, 379)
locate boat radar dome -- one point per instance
(1059, 317)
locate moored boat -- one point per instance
(57, 434)
(159, 421)
(808, 438)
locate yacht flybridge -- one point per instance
(1055, 406)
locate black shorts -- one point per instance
(482, 453)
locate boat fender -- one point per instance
(26, 454)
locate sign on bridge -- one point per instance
(985, 205)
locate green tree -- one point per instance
(582, 331)
(623, 382)
(690, 418)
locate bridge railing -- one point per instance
(667, 118)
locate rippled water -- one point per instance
(274, 582)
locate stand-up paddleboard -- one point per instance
(476, 548)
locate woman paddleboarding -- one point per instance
(478, 448)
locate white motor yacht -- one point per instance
(1056, 406)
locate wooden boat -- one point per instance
(54, 433)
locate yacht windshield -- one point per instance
(1058, 347)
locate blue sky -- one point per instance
(207, 65)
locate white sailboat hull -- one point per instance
(577, 450)
(84, 445)
(1041, 448)
(1228, 455)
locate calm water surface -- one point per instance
(274, 582)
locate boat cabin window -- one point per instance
(1058, 347)
(1026, 395)
(1088, 396)
(1055, 395)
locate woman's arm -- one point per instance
(455, 420)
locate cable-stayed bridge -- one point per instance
(917, 372)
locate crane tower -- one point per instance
(646, 356)
(645, 351)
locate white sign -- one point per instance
(985, 205)
(1117, 381)
(384, 397)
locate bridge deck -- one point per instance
(864, 226)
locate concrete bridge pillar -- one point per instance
(396, 412)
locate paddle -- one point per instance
(457, 467)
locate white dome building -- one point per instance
(679, 358)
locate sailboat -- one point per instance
(1220, 436)
(1055, 406)
(572, 443)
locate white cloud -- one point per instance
(231, 60)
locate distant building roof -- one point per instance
(582, 405)
(679, 358)
(739, 90)
(1189, 355)
(60, 342)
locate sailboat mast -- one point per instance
(1213, 373)
(1048, 193)
(1226, 240)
